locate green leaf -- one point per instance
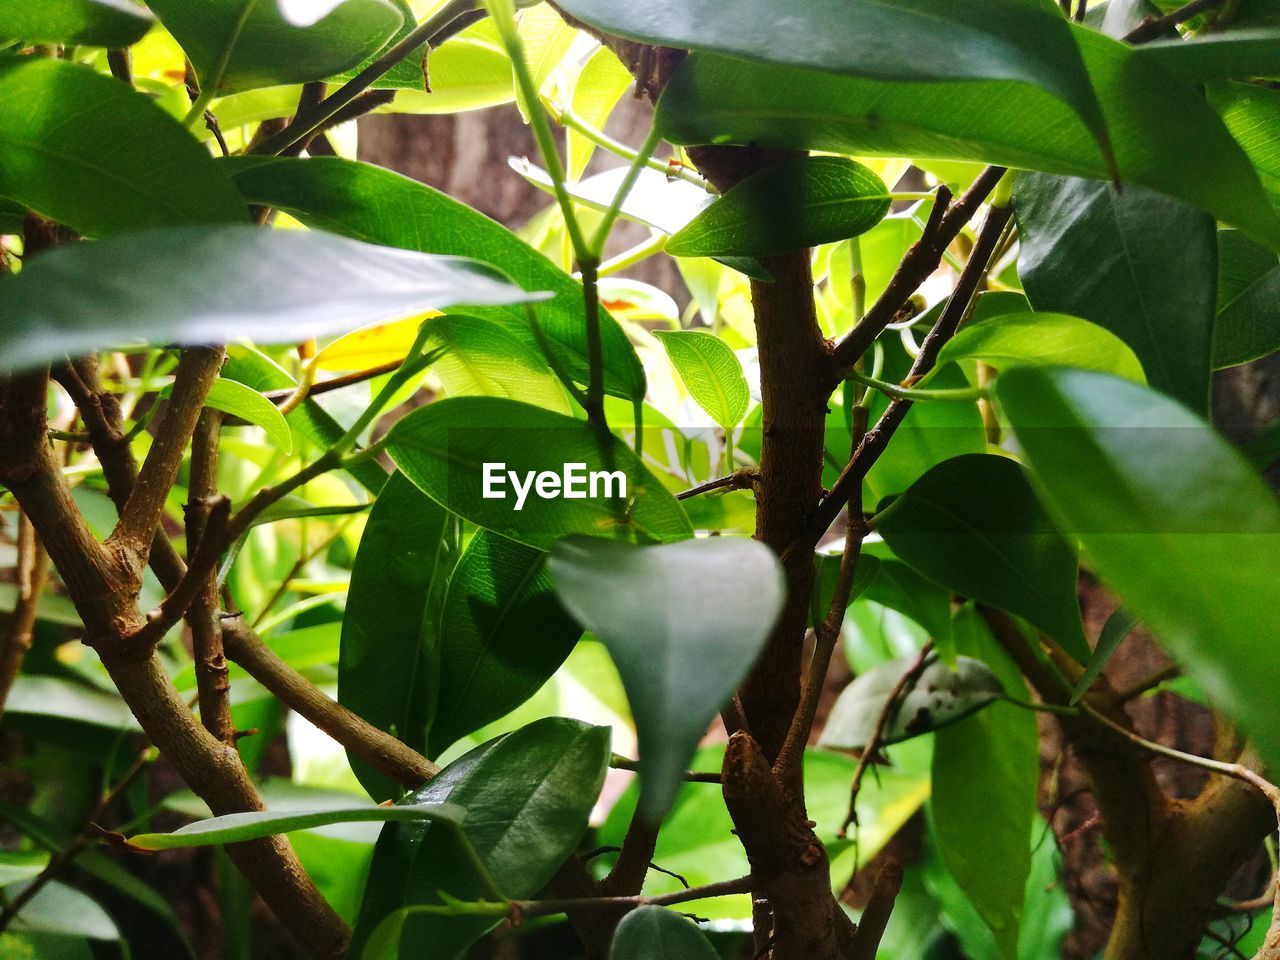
(528, 796)
(502, 635)
(710, 371)
(236, 827)
(378, 206)
(683, 622)
(444, 447)
(407, 74)
(788, 206)
(1252, 112)
(940, 695)
(483, 357)
(974, 525)
(1170, 516)
(154, 175)
(1052, 339)
(389, 664)
(1248, 323)
(1024, 42)
(46, 696)
(596, 91)
(1104, 255)
(19, 865)
(290, 285)
(1117, 627)
(865, 572)
(242, 44)
(655, 933)
(467, 73)
(712, 99)
(248, 404)
(65, 911)
(985, 773)
(93, 23)
(1234, 54)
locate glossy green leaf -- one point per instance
(502, 635)
(828, 573)
(1117, 627)
(290, 285)
(1170, 516)
(683, 622)
(236, 827)
(787, 206)
(985, 773)
(389, 664)
(1025, 42)
(710, 371)
(713, 99)
(485, 358)
(527, 795)
(379, 206)
(939, 696)
(1053, 339)
(235, 398)
(444, 447)
(1252, 112)
(1248, 322)
(94, 23)
(1231, 54)
(242, 44)
(655, 933)
(154, 175)
(975, 525)
(1104, 255)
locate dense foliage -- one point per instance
(454, 589)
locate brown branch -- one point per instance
(1152, 28)
(875, 918)
(33, 571)
(738, 480)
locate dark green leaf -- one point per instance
(1117, 627)
(289, 285)
(1248, 324)
(974, 525)
(1233, 54)
(985, 773)
(242, 44)
(389, 665)
(683, 622)
(1104, 255)
(787, 206)
(655, 933)
(1054, 339)
(503, 634)
(710, 372)
(378, 206)
(444, 447)
(824, 582)
(94, 23)
(939, 695)
(409, 73)
(155, 173)
(713, 99)
(1170, 516)
(235, 827)
(527, 795)
(1023, 41)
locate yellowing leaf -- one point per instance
(372, 346)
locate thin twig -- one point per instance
(743, 479)
(33, 571)
(1152, 28)
(619, 762)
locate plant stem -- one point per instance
(199, 106)
(566, 117)
(651, 141)
(897, 392)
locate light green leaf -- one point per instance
(596, 91)
(939, 696)
(1104, 255)
(651, 933)
(1248, 323)
(1117, 627)
(713, 99)
(683, 622)
(389, 664)
(242, 44)
(65, 911)
(1024, 42)
(94, 23)
(710, 371)
(290, 285)
(248, 404)
(1252, 114)
(1170, 516)
(46, 696)
(1053, 339)
(788, 206)
(444, 448)
(466, 74)
(502, 635)
(974, 525)
(19, 865)
(155, 174)
(985, 773)
(485, 358)
(236, 827)
(378, 206)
